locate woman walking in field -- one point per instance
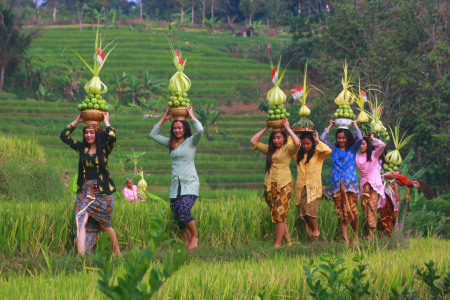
(95, 203)
(185, 185)
(343, 181)
(308, 187)
(388, 209)
(372, 189)
(278, 181)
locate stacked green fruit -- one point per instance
(344, 111)
(277, 112)
(93, 102)
(383, 135)
(389, 167)
(179, 99)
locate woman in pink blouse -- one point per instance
(130, 191)
(372, 189)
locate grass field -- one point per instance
(235, 258)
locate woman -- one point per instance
(308, 187)
(185, 185)
(95, 203)
(388, 209)
(372, 189)
(343, 182)
(130, 191)
(278, 181)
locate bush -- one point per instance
(429, 217)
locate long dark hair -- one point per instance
(369, 148)
(272, 148)
(100, 156)
(173, 138)
(301, 152)
(348, 134)
(382, 157)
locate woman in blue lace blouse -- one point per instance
(344, 183)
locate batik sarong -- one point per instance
(369, 201)
(278, 201)
(98, 207)
(346, 205)
(308, 209)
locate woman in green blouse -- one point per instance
(95, 203)
(184, 188)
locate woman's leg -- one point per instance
(370, 200)
(279, 234)
(182, 208)
(286, 235)
(312, 224)
(344, 231)
(355, 230)
(185, 236)
(112, 238)
(193, 232)
(81, 239)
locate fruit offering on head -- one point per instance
(179, 83)
(344, 111)
(393, 158)
(276, 97)
(179, 99)
(345, 98)
(361, 99)
(277, 112)
(301, 93)
(376, 126)
(95, 87)
(94, 102)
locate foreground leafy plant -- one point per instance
(438, 290)
(331, 272)
(130, 285)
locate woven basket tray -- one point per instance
(179, 113)
(92, 115)
(276, 125)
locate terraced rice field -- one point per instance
(222, 68)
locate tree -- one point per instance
(13, 42)
(208, 116)
(180, 4)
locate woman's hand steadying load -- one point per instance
(190, 111)
(77, 121)
(106, 118)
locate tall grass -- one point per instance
(224, 221)
(276, 277)
(23, 150)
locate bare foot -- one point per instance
(193, 243)
(369, 238)
(355, 242)
(289, 244)
(316, 234)
(277, 246)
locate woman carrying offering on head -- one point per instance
(308, 187)
(371, 185)
(185, 185)
(130, 191)
(95, 203)
(278, 181)
(388, 209)
(343, 182)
